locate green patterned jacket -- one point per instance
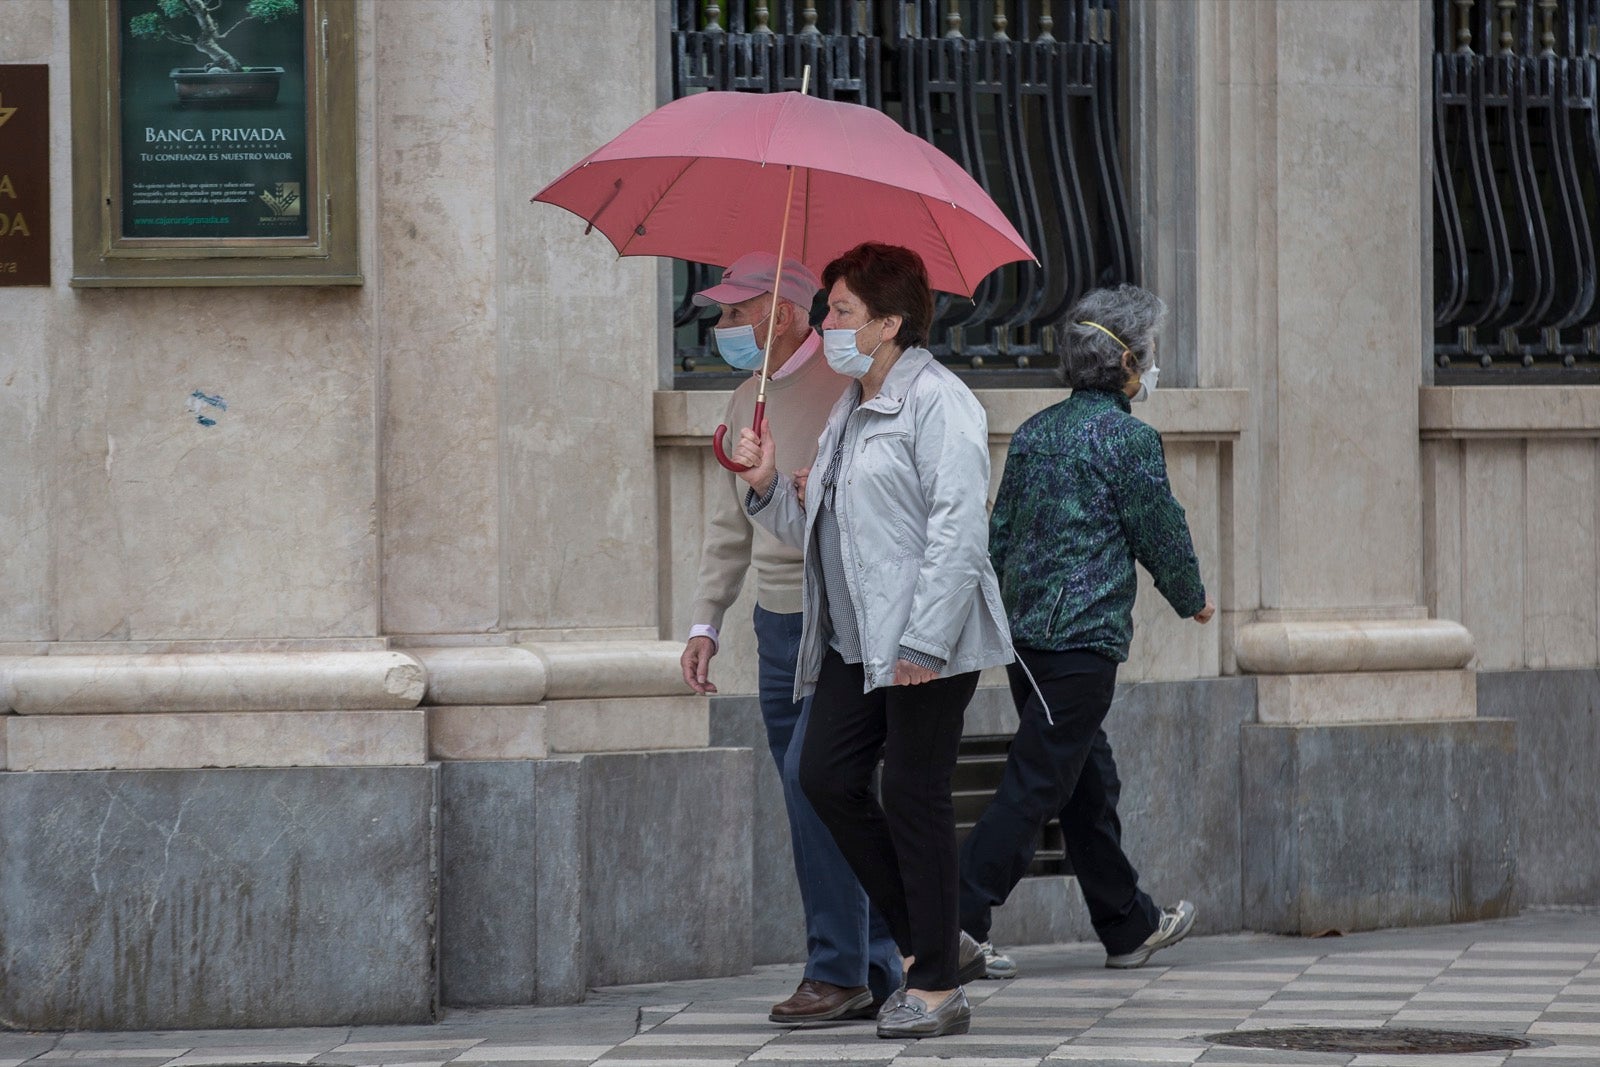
(1084, 494)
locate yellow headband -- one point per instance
(1108, 333)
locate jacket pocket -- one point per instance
(885, 498)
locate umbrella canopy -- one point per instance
(705, 178)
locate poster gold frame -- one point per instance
(327, 254)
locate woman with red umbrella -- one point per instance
(901, 610)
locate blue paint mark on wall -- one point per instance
(205, 408)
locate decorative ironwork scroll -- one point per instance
(1021, 92)
(1516, 189)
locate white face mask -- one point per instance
(839, 346)
(1147, 384)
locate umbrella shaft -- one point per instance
(777, 282)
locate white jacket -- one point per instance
(913, 527)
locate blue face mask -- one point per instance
(737, 346)
(839, 346)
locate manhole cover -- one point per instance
(1368, 1039)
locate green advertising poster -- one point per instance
(213, 118)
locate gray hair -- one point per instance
(1092, 360)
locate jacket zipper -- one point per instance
(1055, 613)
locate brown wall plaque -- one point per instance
(24, 174)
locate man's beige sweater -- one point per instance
(797, 409)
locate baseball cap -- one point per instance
(751, 276)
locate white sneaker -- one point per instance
(1174, 927)
(996, 963)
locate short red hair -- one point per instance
(890, 280)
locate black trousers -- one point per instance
(1065, 769)
(903, 852)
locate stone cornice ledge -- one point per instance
(122, 683)
(493, 676)
(533, 673)
(1509, 411)
(1333, 646)
(688, 417)
(585, 669)
(201, 682)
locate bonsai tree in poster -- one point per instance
(195, 23)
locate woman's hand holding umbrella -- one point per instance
(757, 454)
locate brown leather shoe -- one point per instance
(820, 1002)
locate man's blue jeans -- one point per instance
(847, 942)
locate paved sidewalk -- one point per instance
(1537, 976)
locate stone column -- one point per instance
(1336, 96)
(579, 331)
(1158, 75)
(437, 209)
(1312, 167)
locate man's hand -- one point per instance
(908, 673)
(801, 477)
(1203, 616)
(696, 663)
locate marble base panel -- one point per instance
(517, 732)
(510, 885)
(1177, 751)
(1358, 827)
(1179, 829)
(1380, 696)
(1041, 910)
(1044, 910)
(1182, 832)
(192, 899)
(222, 681)
(217, 739)
(991, 712)
(778, 922)
(626, 724)
(1557, 713)
(666, 884)
(601, 869)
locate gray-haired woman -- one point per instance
(1084, 495)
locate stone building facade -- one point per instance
(365, 698)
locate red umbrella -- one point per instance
(712, 176)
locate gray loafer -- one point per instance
(911, 1018)
(970, 964)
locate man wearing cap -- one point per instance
(852, 963)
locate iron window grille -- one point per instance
(1021, 92)
(1516, 182)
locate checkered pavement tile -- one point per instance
(1531, 979)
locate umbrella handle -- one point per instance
(722, 431)
(722, 457)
